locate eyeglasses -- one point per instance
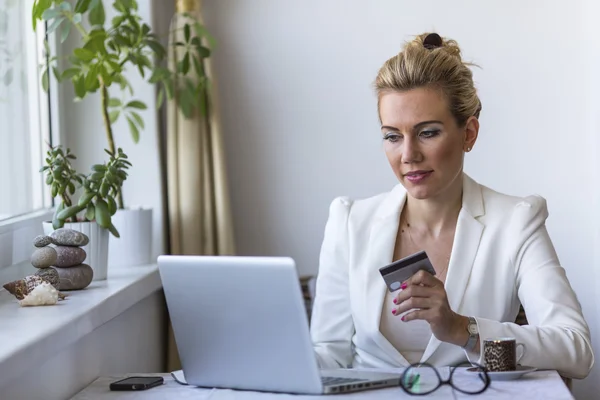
(422, 379)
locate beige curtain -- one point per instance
(198, 205)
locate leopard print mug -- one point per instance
(500, 354)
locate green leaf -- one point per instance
(161, 98)
(136, 104)
(38, 9)
(198, 66)
(64, 33)
(71, 188)
(8, 77)
(79, 84)
(187, 32)
(49, 179)
(55, 24)
(70, 73)
(135, 133)
(112, 205)
(69, 212)
(65, 6)
(45, 80)
(185, 64)
(96, 176)
(82, 6)
(114, 102)
(104, 187)
(204, 51)
(90, 212)
(99, 167)
(91, 80)
(77, 18)
(86, 198)
(113, 116)
(56, 73)
(138, 118)
(50, 14)
(114, 231)
(157, 48)
(97, 15)
(54, 189)
(102, 214)
(84, 54)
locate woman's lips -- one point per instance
(418, 176)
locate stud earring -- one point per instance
(468, 149)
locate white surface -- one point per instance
(132, 341)
(32, 335)
(97, 248)
(300, 120)
(134, 246)
(82, 130)
(257, 299)
(543, 385)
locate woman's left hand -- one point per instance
(427, 295)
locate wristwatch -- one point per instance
(473, 331)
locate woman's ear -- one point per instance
(471, 132)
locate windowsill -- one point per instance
(31, 335)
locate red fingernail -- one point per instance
(394, 312)
(403, 286)
(402, 318)
(395, 301)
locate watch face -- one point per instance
(473, 329)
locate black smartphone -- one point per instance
(137, 383)
(399, 271)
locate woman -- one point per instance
(491, 252)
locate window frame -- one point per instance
(17, 232)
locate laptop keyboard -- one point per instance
(331, 380)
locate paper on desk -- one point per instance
(179, 377)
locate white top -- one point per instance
(409, 338)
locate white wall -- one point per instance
(82, 129)
(300, 121)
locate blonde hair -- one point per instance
(432, 61)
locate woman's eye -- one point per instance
(392, 137)
(429, 134)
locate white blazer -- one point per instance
(502, 256)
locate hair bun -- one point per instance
(432, 41)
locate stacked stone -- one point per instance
(60, 258)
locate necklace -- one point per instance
(446, 257)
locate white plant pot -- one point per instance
(96, 249)
(134, 247)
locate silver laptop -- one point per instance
(240, 323)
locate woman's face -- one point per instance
(422, 141)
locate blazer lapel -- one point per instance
(382, 240)
(464, 249)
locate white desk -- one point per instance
(545, 385)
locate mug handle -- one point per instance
(523, 351)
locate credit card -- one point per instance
(399, 271)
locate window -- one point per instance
(24, 117)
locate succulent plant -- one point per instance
(99, 188)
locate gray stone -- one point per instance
(42, 241)
(43, 257)
(69, 237)
(69, 256)
(74, 278)
(50, 275)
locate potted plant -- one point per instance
(92, 213)
(108, 49)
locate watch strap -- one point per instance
(473, 337)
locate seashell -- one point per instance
(43, 294)
(22, 287)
